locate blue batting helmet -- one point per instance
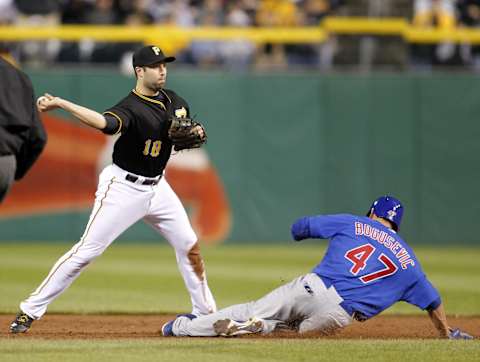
(388, 208)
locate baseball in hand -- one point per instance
(41, 99)
(46, 103)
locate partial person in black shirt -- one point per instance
(22, 135)
(132, 188)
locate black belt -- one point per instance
(133, 178)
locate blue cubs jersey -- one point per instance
(369, 264)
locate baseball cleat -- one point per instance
(167, 328)
(230, 328)
(21, 324)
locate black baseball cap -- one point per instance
(149, 55)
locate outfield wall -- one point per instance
(282, 146)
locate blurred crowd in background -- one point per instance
(338, 51)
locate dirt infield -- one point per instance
(148, 326)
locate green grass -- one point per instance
(144, 278)
(198, 350)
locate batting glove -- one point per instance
(458, 334)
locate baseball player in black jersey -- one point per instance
(22, 136)
(130, 189)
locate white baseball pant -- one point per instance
(120, 203)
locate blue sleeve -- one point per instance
(300, 229)
(422, 294)
(319, 227)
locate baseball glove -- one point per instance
(185, 133)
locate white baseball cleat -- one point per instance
(230, 328)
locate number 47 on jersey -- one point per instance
(360, 256)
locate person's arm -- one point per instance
(300, 229)
(319, 227)
(84, 114)
(439, 320)
(424, 295)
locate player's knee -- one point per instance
(328, 324)
(81, 261)
(85, 255)
(185, 242)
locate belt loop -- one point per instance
(142, 180)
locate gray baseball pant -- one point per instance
(304, 303)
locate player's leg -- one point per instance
(304, 304)
(117, 206)
(168, 217)
(207, 325)
(321, 311)
(277, 308)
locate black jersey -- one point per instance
(144, 147)
(21, 131)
